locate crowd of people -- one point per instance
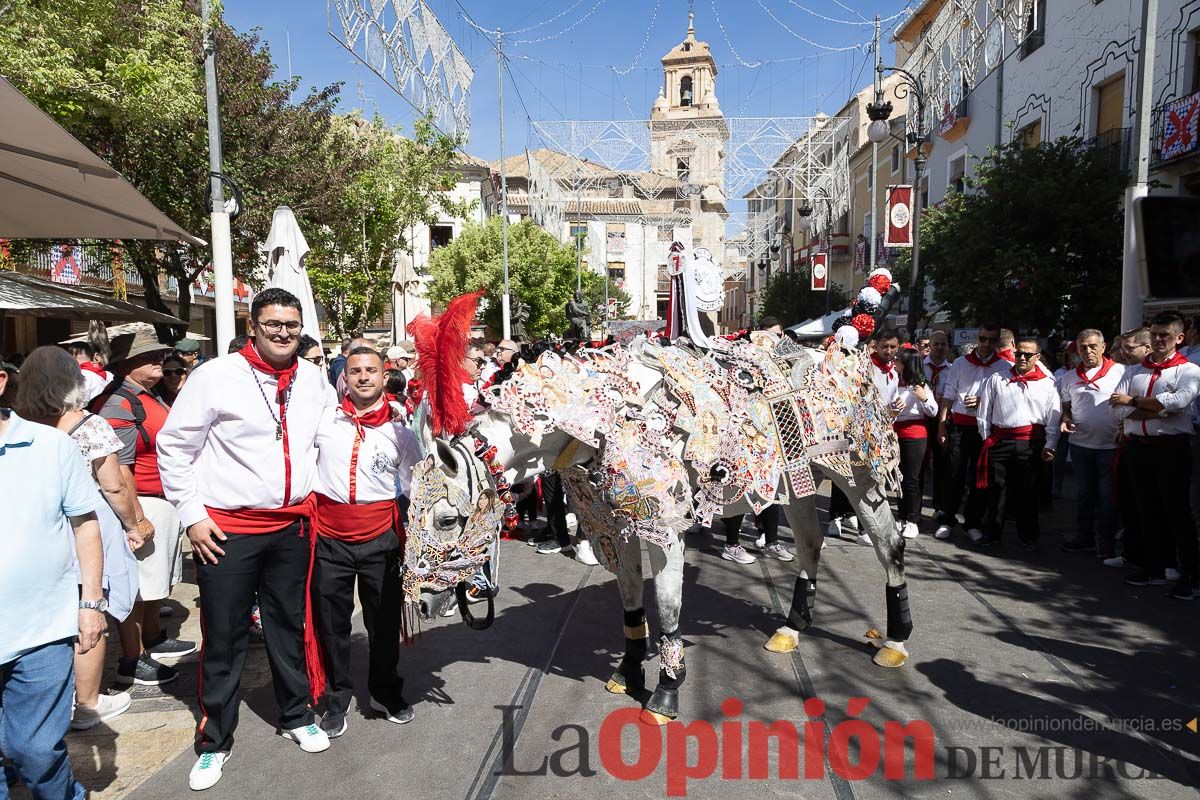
(287, 473)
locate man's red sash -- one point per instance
(1023, 433)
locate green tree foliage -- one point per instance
(404, 182)
(1036, 244)
(541, 273)
(788, 296)
(126, 77)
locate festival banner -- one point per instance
(898, 232)
(820, 272)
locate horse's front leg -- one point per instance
(801, 515)
(630, 675)
(875, 513)
(663, 705)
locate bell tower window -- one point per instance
(685, 91)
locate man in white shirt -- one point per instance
(958, 434)
(362, 449)
(1154, 401)
(1084, 392)
(1019, 417)
(95, 376)
(887, 381)
(237, 458)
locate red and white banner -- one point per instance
(820, 272)
(898, 232)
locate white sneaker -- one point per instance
(1115, 561)
(862, 538)
(109, 706)
(834, 529)
(584, 554)
(310, 738)
(1172, 574)
(737, 554)
(942, 532)
(761, 541)
(207, 771)
(974, 534)
(572, 522)
(910, 530)
(850, 523)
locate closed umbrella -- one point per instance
(286, 249)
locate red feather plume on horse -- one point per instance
(441, 344)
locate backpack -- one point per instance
(135, 406)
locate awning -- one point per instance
(23, 295)
(52, 187)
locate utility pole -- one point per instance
(222, 253)
(1131, 289)
(875, 156)
(506, 325)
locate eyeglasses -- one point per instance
(275, 326)
(1019, 354)
(177, 372)
(318, 360)
(987, 339)
(480, 361)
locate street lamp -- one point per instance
(879, 131)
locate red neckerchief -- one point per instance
(1034, 374)
(1008, 354)
(94, 368)
(886, 367)
(937, 371)
(979, 362)
(285, 377)
(1175, 360)
(1094, 383)
(371, 419)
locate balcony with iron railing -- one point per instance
(1114, 147)
(1175, 130)
(93, 265)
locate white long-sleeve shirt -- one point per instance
(1095, 425)
(935, 375)
(1006, 403)
(915, 407)
(385, 453)
(887, 382)
(1176, 388)
(219, 449)
(965, 379)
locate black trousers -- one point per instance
(1014, 469)
(1161, 471)
(912, 458)
(556, 508)
(933, 471)
(275, 566)
(767, 522)
(959, 458)
(375, 565)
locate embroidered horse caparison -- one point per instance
(651, 438)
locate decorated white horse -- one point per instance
(648, 440)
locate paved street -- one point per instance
(1049, 641)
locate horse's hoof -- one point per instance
(653, 718)
(782, 643)
(890, 657)
(616, 687)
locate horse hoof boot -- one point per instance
(649, 717)
(890, 657)
(781, 642)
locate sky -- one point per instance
(599, 59)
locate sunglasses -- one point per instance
(318, 360)
(988, 339)
(176, 372)
(1019, 354)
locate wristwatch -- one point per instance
(100, 605)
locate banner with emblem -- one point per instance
(1180, 127)
(820, 272)
(898, 232)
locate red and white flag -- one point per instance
(899, 217)
(820, 272)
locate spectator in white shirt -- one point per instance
(1154, 401)
(95, 377)
(1084, 392)
(958, 433)
(913, 406)
(1019, 418)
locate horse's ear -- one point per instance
(445, 458)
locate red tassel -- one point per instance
(441, 347)
(312, 647)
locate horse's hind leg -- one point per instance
(663, 705)
(630, 675)
(874, 512)
(801, 515)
